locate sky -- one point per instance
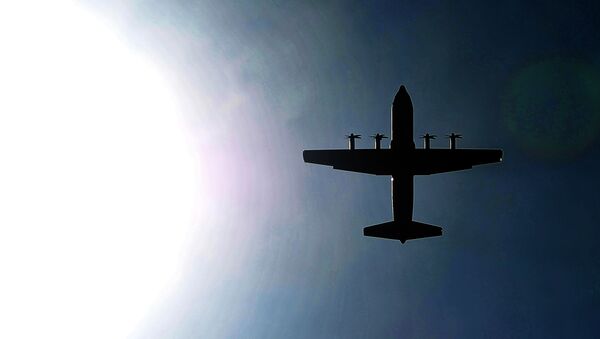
(210, 225)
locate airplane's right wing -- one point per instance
(372, 161)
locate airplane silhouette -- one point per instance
(403, 161)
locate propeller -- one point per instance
(378, 138)
(453, 136)
(427, 137)
(351, 138)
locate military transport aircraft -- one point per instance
(403, 161)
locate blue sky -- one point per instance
(276, 250)
(519, 255)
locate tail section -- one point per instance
(402, 230)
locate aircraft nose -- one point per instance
(401, 96)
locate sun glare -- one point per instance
(97, 178)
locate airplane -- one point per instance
(403, 161)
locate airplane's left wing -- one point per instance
(372, 161)
(439, 160)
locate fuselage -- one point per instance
(402, 121)
(403, 161)
(402, 142)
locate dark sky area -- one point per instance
(277, 249)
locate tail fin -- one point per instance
(402, 230)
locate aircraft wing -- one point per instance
(372, 161)
(414, 161)
(440, 160)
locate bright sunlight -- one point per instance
(96, 179)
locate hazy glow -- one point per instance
(97, 182)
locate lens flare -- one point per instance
(553, 108)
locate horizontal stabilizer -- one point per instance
(402, 230)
